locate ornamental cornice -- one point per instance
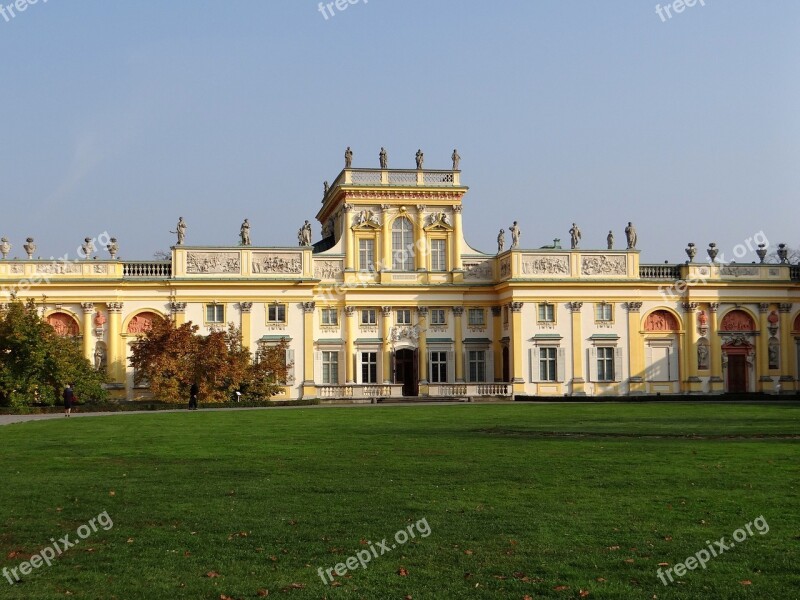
(308, 307)
(690, 307)
(633, 306)
(785, 307)
(403, 195)
(88, 307)
(575, 307)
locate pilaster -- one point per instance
(422, 323)
(421, 249)
(635, 349)
(458, 235)
(244, 309)
(88, 311)
(765, 383)
(717, 384)
(578, 381)
(386, 327)
(350, 343)
(309, 386)
(116, 344)
(349, 245)
(386, 239)
(178, 312)
(497, 348)
(693, 384)
(788, 361)
(458, 318)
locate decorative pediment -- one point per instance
(366, 219)
(438, 221)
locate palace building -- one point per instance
(394, 302)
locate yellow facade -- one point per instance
(393, 301)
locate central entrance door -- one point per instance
(737, 373)
(405, 371)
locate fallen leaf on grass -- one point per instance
(560, 588)
(294, 586)
(212, 574)
(663, 564)
(746, 582)
(263, 592)
(468, 552)
(112, 493)
(629, 561)
(613, 547)
(583, 593)
(601, 579)
(402, 572)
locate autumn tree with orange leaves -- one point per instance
(171, 358)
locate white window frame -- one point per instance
(325, 317)
(438, 255)
(439, 311)
(372, 317)
(366, 255)
(403, 316)
(546, 312)
(277, 307)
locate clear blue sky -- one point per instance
(122, 116)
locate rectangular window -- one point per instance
(438, 255)
(438, 316)
(404, 316)
(330, 367)
(547, 364)
(476, 361)
(330, 316)
(368, 316)
(604, 312)
(366, 255)
(369, 367)
(477, 316)
(547, 313)
(438, 367)
(276, 313)
(605, 364)
(215, 313)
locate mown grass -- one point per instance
(545, 501)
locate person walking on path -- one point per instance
(69, 400)
(193, 396)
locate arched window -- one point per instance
(402, 245)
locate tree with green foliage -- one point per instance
(36, 363)
(171, 358)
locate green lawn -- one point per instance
(521, 500)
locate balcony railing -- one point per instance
(660, 272)
(386, 390)
(397, 177)
(449, 390)
(148, 270)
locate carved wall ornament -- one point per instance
(59, 268)
(366, 218)
(785, 307)
(142, 323)
(408, 332)
(386, 311)
(739, 271)
(633, 307)
(458, 311)
(289, 263)
(245, 307)
(661, 320)
(115, 307)
(17, 269)
(545, 265)
(505, 267)
(100, 269)
(515, 307)
(713, 307)
(328, 269)
(63, 324)
(177, 307)
(212, 262)
(308, 307)
(478, 270)
(88, 307)
(737, 320)
(604, 265)
(575, 307)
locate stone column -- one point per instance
(421, 248)
(116, 344)
(347, 223)
(386, 348)
(458, 235)
(386, 240)
(178, 312)
(309, 385)
(350, 343)
(422, 314)
(497, 349)
(88, 312)
(717, 384)
(787, 361)
(578, 380)
(458, 314)
(689, 352)
(765, 383)
(635, 349)
(515, 347)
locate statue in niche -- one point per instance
(773, 356)
(244, 233)
(575, 236)
(702, 357)
(630, 234)
(99, 357)
(501, 241)
(610, 240)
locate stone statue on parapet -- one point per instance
(515, 233)
(610, 240)
(348, 158)
(630, 233)
(304, 234)
(501, 241)
(420, 157)
(384, 158)
(575, 236)
(244, 233)
(456, 160)
(180, 231)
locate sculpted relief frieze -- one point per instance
(545, 265)
(328, 269)
(278, 263)
(478, 270)
(57, 268)
(213, 263)
(604, 265)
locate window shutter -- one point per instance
(561, 365)
(592, 364)
(534, 364)
(617, 364)
(451, 366)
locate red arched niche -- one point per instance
(64, 324)
(737, 320)
(142, 323)
(797, 323)
(661, 320)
